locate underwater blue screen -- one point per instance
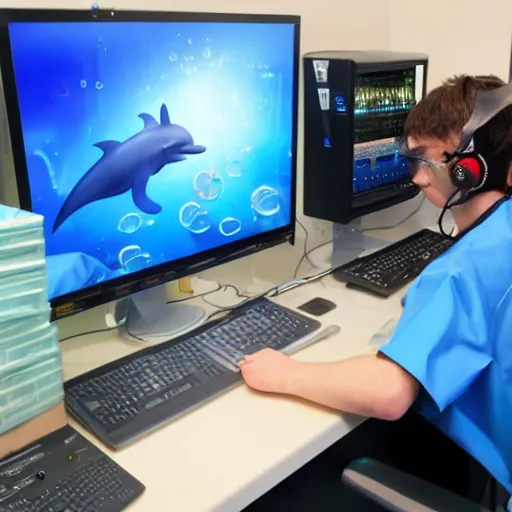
(149, 142)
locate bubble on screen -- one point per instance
(207, 53)
(150, 222)
(49, 167)
(130, 223)
(83, 84)
(133, 259)
(235, 166)
(128, 252)
(187, 213)
(99, 85)
(100, 45)
(208, 185)
(230, 226)
(265, 201)
(201, 223)
(173, 57)
(194, 218)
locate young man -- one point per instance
(451, 353)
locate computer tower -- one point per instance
(356, 103)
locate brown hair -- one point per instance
(445, 111)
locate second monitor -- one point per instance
(356, 104)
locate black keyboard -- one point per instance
(125, 399)
(387, 270)
(64, 472)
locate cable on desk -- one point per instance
(79, 335)
(271, 292)
(237, 292)
(305, 240)
(305, 233)
(306, 253)
(306, 257)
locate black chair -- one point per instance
(397, 491)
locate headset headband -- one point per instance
(488, 104)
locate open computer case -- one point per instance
(356, 103)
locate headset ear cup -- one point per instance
(469, 172)
(462, 177)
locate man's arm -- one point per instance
(370, 385)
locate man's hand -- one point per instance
(268, 370)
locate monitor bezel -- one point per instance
(124, 286)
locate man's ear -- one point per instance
(509, 176)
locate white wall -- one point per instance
(460, 36)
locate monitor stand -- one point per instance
(349, 242)
(150, 316)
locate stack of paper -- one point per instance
(30, 362)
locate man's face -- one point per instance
(432, 174)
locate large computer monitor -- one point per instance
(155, 144)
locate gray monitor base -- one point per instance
(349, 242)
(150, 317)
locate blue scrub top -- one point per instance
(455, 338)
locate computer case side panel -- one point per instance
(328, 143)
(396, 87)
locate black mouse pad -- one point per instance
(317, 306)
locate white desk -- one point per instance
(232, 450)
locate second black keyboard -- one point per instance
(63, 472)
(127, 398)
(387, 270)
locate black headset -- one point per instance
(468, 171)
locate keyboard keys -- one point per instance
(72, 475)
(387, 270)
(160, 383)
